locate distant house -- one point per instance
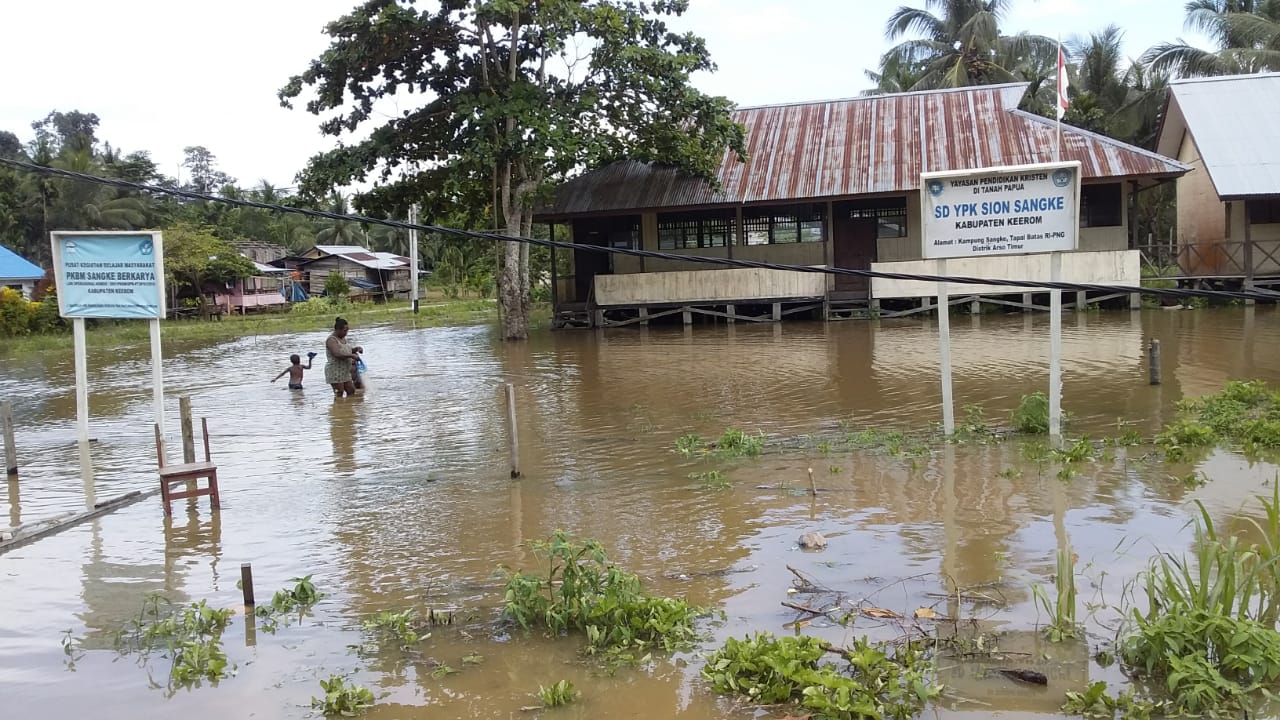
(18, 273)
(260, 291)
(830, 184)
(1229, 204)
(369, 274)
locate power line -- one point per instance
(657, 255)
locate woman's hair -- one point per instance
(339, 323)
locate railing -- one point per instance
(1226, 258)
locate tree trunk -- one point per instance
(526, 230)
(515, 317)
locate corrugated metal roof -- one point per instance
(1233, 122)
(861, 146)
(16, 267)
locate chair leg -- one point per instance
(213, 490)
(164, 496)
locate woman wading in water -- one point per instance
(339, 358)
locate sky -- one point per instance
(165, 74)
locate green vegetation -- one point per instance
(583, 592)
(735, 443)
(342, 699)
(1031, 417)
(312, 315)
(561, 693)
(1207, 636)
(1244, 414)
(878, 680)
(191, 636)
(405, 628)
(1061, 610)
(336, 287)
(732, 443)
(300, 598)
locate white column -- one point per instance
(1055, 347)
(944, 348)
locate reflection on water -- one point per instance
(402, 497)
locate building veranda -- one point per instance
(831, 184)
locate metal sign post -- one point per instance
(1014, 210)
(944, 350)
(103, 274)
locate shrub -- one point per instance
(15, 313)
(1031, 417)
(336, 287)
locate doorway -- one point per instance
(854, 247)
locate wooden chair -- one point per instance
(187, 472)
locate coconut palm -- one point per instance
(338, 232)
(1099, 67)
(1246, 32)
(894, 77)
(958, 43)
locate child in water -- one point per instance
(295, 370)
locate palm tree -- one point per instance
(1246, 32)
(958, 43)
(894, 77)
(338, 232)
(1098, 64)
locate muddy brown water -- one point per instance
(402, 498)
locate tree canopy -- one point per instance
(516, 93)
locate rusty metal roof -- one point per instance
(860, 146)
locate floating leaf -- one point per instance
(876, 612)
(925, 613)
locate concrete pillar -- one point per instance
(688, 317)
(1082, 300)
(644, 317)
(1135, 301)
(1026, 300)
(975, 306)
(732, 312)
(777, 312)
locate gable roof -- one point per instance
(15, 267)
(1232, 121)
(360, 256)
(861, 146)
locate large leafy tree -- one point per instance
(516, 94)
(1246, 32)
(957, 43)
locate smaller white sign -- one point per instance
(1011, 210)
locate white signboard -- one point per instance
(1000, 211)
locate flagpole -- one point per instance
(1057, 107)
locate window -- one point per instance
(1100, 205)
(681, 231)
(771, 226)
(890, 217)
(1263, 212)
(627, 237)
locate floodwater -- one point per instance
(402, 498)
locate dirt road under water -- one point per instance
(401, 498)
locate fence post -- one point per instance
(188, 434)
(513, 434)
(1153, 362)
(10, 449)
(246, 584)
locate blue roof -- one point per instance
(14, 267)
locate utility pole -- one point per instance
(413, 256)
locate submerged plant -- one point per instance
(191, 636)
(561, 693)
(690, 444)
(1061, 609)
(405, 627)
(736, 443)
(1208, 633)
(342, 698)
(582, 591)
(300, 598)
(1031, 417)
(1245, 413)
(877, 680)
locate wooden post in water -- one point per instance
(246, 585)
(1153, 361)
(188, 434)
(513, 434)
(10, 449)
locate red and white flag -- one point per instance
(1063, 82)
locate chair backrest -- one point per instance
(159, 445)
(204, 430)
